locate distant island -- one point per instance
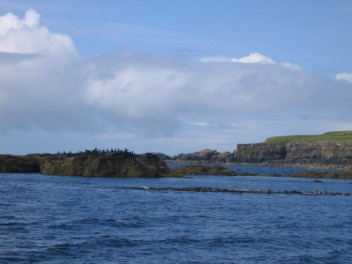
(332, 149)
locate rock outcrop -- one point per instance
(206, 156)
(120, 164)
(323, 153)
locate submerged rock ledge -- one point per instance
(204, 170)
(238, 191)
(218, 170)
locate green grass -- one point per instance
(336, 136)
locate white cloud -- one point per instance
(40, 77)
(252, 58)
(344, 76)
(256, 58)
(32, 19)
(155, 97)
(27, 36)
(150, 91)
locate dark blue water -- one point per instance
(55, 219)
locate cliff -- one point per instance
(296, 152)
(119, 164)
(331, 148)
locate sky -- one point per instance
(171, 76)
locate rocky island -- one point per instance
(116, 163)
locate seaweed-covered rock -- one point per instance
(204, 170)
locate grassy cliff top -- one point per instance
(335, 136)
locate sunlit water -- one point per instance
(55, 219)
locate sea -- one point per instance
(61, 219)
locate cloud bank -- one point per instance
(46, 86)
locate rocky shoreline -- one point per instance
(126, 164)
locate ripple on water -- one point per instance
(81, 220)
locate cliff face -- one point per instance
(261, 152)
(101, 165)
(296, 152)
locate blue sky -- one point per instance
(314, 34)
(171, 76)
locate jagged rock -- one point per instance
(154, 162)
